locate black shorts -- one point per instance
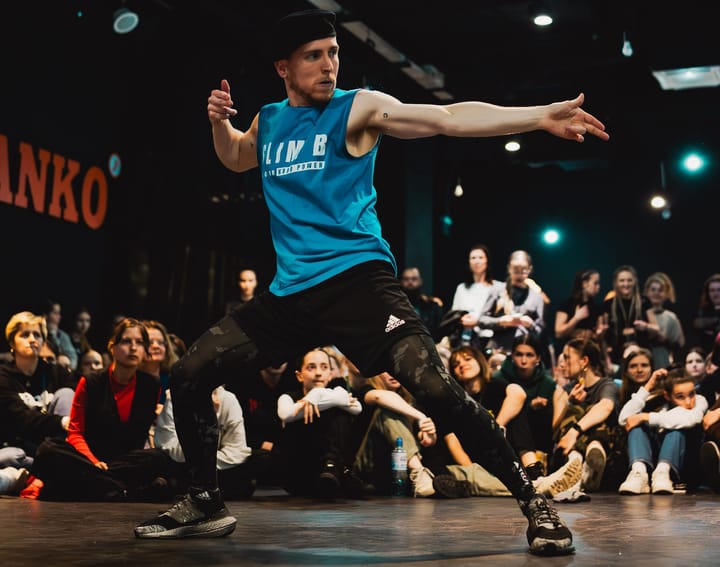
(362, 311)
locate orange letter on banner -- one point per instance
(62, 187)
(29, 175)
(93, 176)
(5, 193)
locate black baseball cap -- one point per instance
(299, 28)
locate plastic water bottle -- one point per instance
(399, 469)
(466, 336)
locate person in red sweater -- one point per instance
(103, 457)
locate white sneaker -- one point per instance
(661, 483)
(594, 467)
(14, 480)
(562, 479)
(635, 483)
(422, 481)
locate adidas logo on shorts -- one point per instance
(393, 323)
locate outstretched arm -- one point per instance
(382, 113)
(235, 149)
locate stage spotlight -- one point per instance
(125, 20)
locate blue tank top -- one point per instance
(321, 199)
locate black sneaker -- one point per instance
(201, 515)
(547, 534)
(353, 486)
(710, 465)
(328, 484)
(447, 486)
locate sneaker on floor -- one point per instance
(201, 515)
(447, 486)
(17, 479)
(661, 482)
(328, 483)
(547, 534)
(561, 480)
(594, 467)
(422, 482)
(710, 465)
(635, 483)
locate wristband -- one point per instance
(576, 427)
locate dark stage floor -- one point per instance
(278, 530)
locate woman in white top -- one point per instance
(472, 295)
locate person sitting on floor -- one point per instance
(311, 453)
(33, 393)
(389, 412)
(666, 431)
(103, 457)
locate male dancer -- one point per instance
(336, 277)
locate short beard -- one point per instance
(308, 98)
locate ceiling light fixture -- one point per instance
(627, 48)
(540, 13)
(688, 78)
(125, 20)
(459, 191)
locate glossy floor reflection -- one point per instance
(277, 530)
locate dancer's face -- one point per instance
(310, 73)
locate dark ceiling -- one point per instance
(487, 50)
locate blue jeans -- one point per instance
(645, 442)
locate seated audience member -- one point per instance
(91, 362)
(635, 370)
(389, 413)
(710, 450)
(79, 332)
(258, 396)
(103, 458)
(30, 388)
(545, 406)
(429, 308)
(506, 402)
(580, 310)
(246, 287)
(58, 340)
(589, 430)
(312, 451)
(659, 438)
(160, 357)
(234, 476)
